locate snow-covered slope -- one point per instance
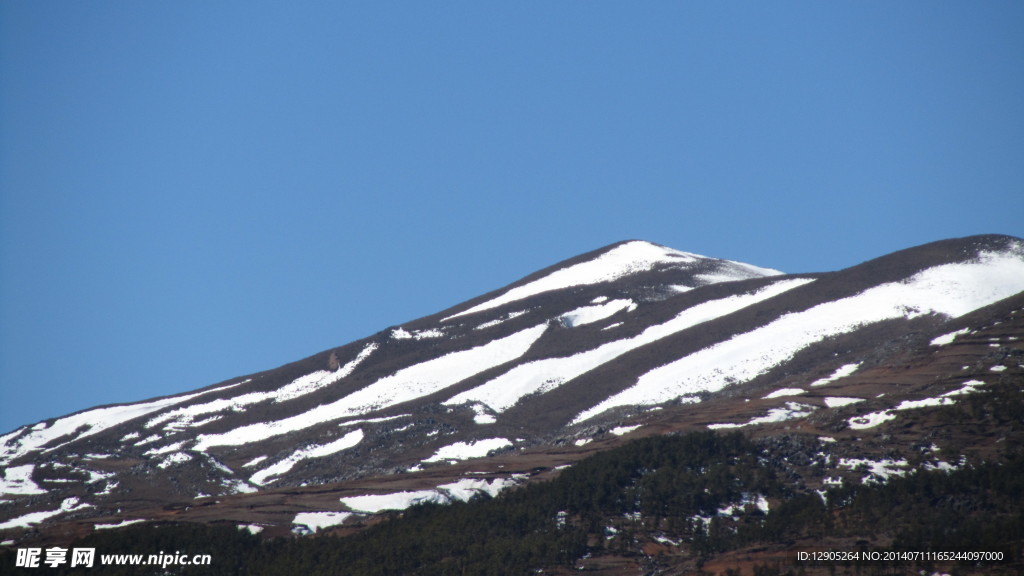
(949, 290)
(593, 345)
(623, 260)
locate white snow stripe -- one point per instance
(184, 417)
(24, 521)
(841, 372)
(92, 421)
(540, 376)
(951, 289)
(596, 312)
(317, 451)
(406, 384)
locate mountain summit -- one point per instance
(634, 338)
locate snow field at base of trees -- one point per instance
(463, 490)
(873, 419)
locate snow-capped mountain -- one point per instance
(633, 338)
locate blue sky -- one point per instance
(194, 191)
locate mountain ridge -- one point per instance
(433, 396)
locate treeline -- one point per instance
(670, 486)
(591, 506)
(601, 502)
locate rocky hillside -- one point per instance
(842, 371)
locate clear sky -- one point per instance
(192, 191)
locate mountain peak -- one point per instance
(617, 261)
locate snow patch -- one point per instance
(314, 521)
(501, 320)
(925, 403)
(878, 471)
(347, 423)
(837, 401)
(400, 334)
(108, 489)
(461, 490)
(941, 465)
(164, 450)
(785, 392)
(236, 486)
(947, 339)
(174, 460)
(403, 334)
(792, 411)
(841, 372)
(18, 480)
(875, 418)
(373, 503)
(482, 415)
(596, 313)
(760, 502)
(316, 451)
(68, 505)
(149, 440)
(254, 461)
(969, 387)
(120, 524)
(466, 488)
(662, 539)
(870, 420)
(623, 430)
(465, 451)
